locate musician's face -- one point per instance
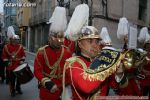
(89, 47)
(56, 41)
(15, 41)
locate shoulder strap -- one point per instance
(6, 48)
(55, 65)
(67, 65)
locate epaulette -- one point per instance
(69, 61)
(72, 59)
(42, 48)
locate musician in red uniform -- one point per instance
(110, 82)
(145, 83)
(50, 59)
(74, 74)
(132, 87)
(13, 55)
(145, 66)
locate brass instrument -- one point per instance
(133, 58)
(104, 65)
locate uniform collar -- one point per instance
(86, 58)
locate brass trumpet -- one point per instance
(133, 58)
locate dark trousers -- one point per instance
(146, 91)
(2, 70)
(2, 73)
(13, 82)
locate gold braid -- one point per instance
(55, 66)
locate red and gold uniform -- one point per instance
(13, 54)
(49, 63)
(70, 44)
(146, 72)
(131, 88)
(83, 89)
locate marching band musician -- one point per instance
(144, 69)
(87, 39)
(89, 48)
(13, 55)
(132, 88)
(109, 82)
(82, 86)
(50, 59)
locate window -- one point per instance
(142, 10)
(13, 11)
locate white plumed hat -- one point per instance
(147, 38)
(143, 35)
(78, 20)
(16, 37)
(10, 32)
(106, 40)
(122, 30)
(58, 20)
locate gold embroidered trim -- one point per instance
(93, 75)
(68, 64)
(45, 79)
(14, 53)
(55, 66)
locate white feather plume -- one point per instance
(106, 40)
(123, 26)
(143, 34)
(78, 20)
(10, 32)
(147, 38)
(58, 20)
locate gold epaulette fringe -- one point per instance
(42, 48)
(94, 75)
(100, 75)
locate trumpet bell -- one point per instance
(132, 58)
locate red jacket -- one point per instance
(13, 53)
(44, 64)
(146, 72)
(82, 88)
(70, 44)
(133, 86)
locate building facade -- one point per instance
(103, 13)
(1, 22)
(106, 13)
(23, 15)
(2, 33)
(10, 13)
(38, 28)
